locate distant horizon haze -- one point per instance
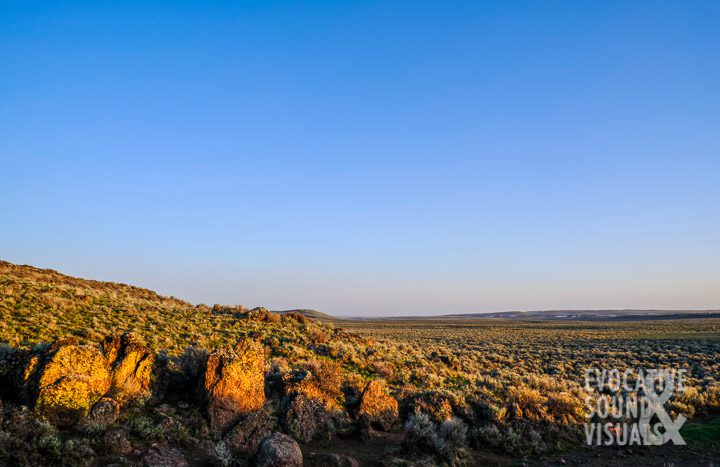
(426, 312)
(368, 158)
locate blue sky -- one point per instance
(368, 158)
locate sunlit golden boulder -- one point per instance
(234, 383)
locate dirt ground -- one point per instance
(383, 449)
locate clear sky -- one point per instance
(368, 157)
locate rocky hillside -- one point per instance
(97, 372)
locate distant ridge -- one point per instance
(589, 315)
(313, 314)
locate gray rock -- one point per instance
(279, 450)
(246, 436)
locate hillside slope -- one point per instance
(40, 305)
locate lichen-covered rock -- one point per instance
(164, 456)
(307, 420)
(74, 378)
(65, 380)
(21, 370)
(279, 450)
(132, 364)
(246, 436)
(234, 383)
(320, 381)
(378, 409)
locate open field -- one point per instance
(544, 359)
(561, 350)
(405, 392)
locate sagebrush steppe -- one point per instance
(441, 391)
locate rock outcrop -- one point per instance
(279, 450)
(378, 409)
(312, 405)
(131, 364)
(319, 381)
(67, 381)
(307, 419)
(245, 437)
(73, 378)
(234, 383)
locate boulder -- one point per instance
(307, 420)
(320, 381)
(131, 364)
(378, 409)
(66, 380)
(246, 436)
(74, 378)
(279, 450)
(234, 383)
